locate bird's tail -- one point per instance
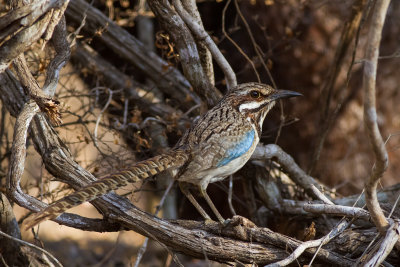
(139, 171)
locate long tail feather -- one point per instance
(139, 171)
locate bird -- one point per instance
(217, 145)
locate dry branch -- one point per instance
(165, 77)
(115, 79)
(23, 27)
(10, 249)
(204, 53)
(386, 246)
(201, 34)
(63, 52)
(337, 210)
(312, 244)
(13, 98)
(370, 114)
(31, 261)
(245, 230)
(386, 195)
(290, 167)
(187, 49)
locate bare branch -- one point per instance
(312, 244)
(165, 77)
(57, 16)
(204, 53)
(188, 51)
(116, 79)
(143, 248)
(255, 45)
(387, 195)
(34, 19)
(290, 167)
(370, 116)
(63, 52)
(392, 236)
(242, 227)
(32, 246)
(338, 210)
(235, 44)
(8, 224)
(18, 150)
(46, 104)
(203, 35)
(12, 97)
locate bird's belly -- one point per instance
(220, 173)
(216, 174)
(235, 158)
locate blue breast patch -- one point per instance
(238, 149)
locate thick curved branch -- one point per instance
(18, 149)
(13, 98)
(370, 114)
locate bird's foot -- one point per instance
(226, 222)
(238, 220)
(208, 221)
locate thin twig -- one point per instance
(3, 261)
(143, 248)
(354, 212)
(321, 196)
(311, 244)
(235, 44)
(254, 43)
(230, 194)
(110, 94)
(258, 51)
(32, 246)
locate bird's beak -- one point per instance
(284, 94)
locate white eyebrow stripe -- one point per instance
(250, 106)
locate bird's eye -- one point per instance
(255, 94)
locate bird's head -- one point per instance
(254, 100)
